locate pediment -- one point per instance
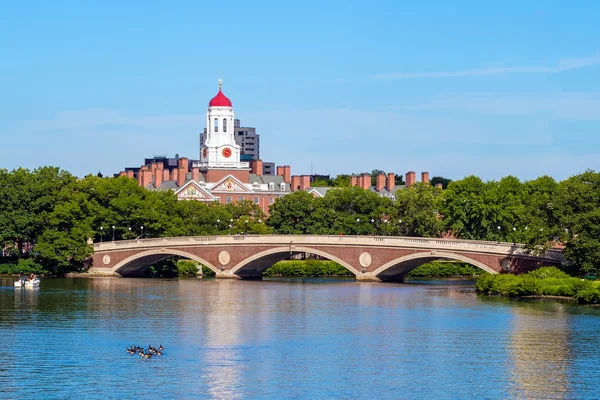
(230, 184)
(193, 191)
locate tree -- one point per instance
(577, 207)
(291, 213)
(320, 183)
(438, 179)
(341, 181)
(417, 211)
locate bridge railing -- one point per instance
(433, 243)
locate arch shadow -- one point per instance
(254, 266)
(136, 264)
(395, 270)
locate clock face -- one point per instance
(204, 152)
(226, 152)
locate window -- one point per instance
(228, 199)
(224, 124)
(271, 200)
(240, 199)
(216, 125)
(282, 186)
(256, 200)
(271, 186)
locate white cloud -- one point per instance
(563, 64)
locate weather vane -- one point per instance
(220, 80)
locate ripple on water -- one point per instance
(290, 339)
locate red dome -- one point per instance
(220, 100)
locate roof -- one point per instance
(220, 100)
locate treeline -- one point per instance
(50, 216)
(56, 213)
(539, 213)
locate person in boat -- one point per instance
(31, 277)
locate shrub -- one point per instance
(307, 268)
(588, 296)
(187, 268)
(548, 272)
(23, 267)
(444, 269)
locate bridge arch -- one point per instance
(144, 259)
(400, 266)
(256, 264)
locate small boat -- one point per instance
(24, 282)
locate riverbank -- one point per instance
(544, 282)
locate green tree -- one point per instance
(341, 181)
(438, 179)
(417, 211)
(577, 207)
(291, 214)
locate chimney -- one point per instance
(410, 178)
(144, 176)
(129, 173)
(366, 181)
(152, 168)
(279, 170)
(353, 180)
(174, 173)
(287, 173)
(158, 174)
(184, 163)
(158, 177)
(166, 175)
(147, 176)
(122, 173)
(439, 186)
(256, 167)
(391, 182)
(425, 177)
(380, 182)
(304, 182)
(181, 174)
(295, 183)
(195, 174)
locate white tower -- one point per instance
(220, 149)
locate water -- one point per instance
(296, 338)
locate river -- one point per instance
(291, 338)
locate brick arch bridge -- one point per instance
(369, 258)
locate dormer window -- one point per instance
(271, 186)
(282, 187)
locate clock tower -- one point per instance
(220, 150)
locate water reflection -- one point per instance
(540, 352)
(291, 338)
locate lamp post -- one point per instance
(142, 231)
(129, 232)
(101, 234)
(113, 231)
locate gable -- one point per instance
(193, 191)
(315, 193)
(230, 184)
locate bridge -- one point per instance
(369, 258)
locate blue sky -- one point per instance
(488, 89)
